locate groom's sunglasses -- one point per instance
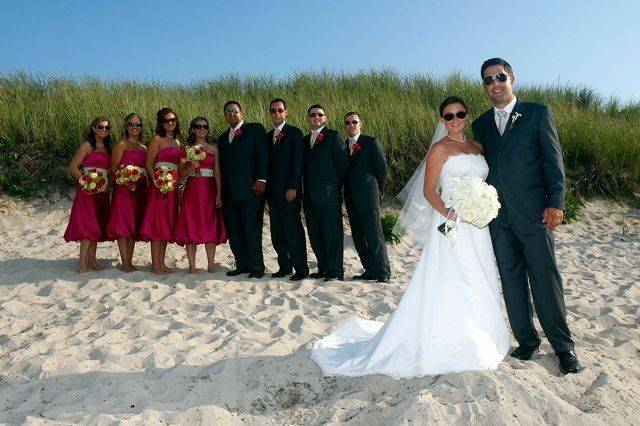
(449, 116)
(502, 77)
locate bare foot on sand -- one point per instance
(96, 266)
(129, 268)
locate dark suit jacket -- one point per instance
(525, 164)
(286, 162)
(367, 175)
(243, 161)
(325, 168)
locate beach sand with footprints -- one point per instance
(134, 348)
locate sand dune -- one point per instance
(108, 347)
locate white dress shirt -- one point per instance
(277, 130)
(352, 141)
(508, 109)
(314, 135)
(233, 129)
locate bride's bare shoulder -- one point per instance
(440, 148)
(477, 145)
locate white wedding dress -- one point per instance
(449, 318)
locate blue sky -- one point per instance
(592, 43)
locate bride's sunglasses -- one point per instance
(501, 77)
(450, 115)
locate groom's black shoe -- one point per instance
(331, 277)
(364, 276)
(568, 362)
(281, 273)
(256, 274)
(318, 274)
(299, 276)
(234, 272)
(524, 352)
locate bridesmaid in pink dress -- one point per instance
(161, 209)
(200, 219)
(90, 212)
(127, 204)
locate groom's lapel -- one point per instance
(512, 126)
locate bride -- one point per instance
(450, 317)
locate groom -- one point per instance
(521, 147)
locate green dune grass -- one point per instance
(44, 120)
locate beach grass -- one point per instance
(45, 119)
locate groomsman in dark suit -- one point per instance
(521, 146)
(244, 165)
(363, 189)
(325, 169)
(284, 193)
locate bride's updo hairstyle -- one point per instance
(452, 100)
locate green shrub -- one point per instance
(45, 119)
(573, 207)
(388, 222)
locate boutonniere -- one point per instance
(237, 132)
(280, 135)
(514, 118)
(320, 137)
(356, 147)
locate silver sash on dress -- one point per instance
(203, 173)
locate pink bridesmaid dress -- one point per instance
(127, 206)
(199, 221)
(90, 212)
(161, 209)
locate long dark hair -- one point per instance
(91, 135)
(192, 135)
(160, 131)
(125, 128)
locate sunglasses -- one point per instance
(502, 77)
(351, 123)
(201, 126)
(134, 124)
(274, 110)
(170, 120)
(316, 114)
(101, 127)
(231, 111)
(449, 116)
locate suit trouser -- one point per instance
(519, 257)
(366, 230)
(287, 234)
(244, 226)
(324, 224)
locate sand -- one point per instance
(108, 347)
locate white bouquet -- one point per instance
(474, 201)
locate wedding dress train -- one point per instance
(449, 318)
